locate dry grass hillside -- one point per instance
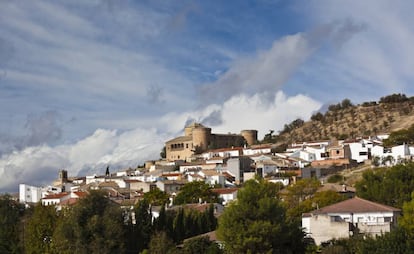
(346, 121)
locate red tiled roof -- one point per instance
(226, 149)
(55, 196)
(69, 201)
(80, 194)
(356, 205)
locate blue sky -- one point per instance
(84, 84)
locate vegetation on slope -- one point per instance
(346, 120)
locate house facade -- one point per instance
(29, 194)
(349, 217)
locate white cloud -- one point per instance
(39, 165)
(266, 72)
(376, 61)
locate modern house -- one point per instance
(349, 217)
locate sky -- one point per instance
(89, 83)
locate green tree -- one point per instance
(335, 178)
(346, 103)
(178, 226)
(301, 190)
(201, 244)
(318, 200)
(156, 197)
(269, 137)
(94, 225)
(256, 222)
(40, 228)
(407, 220)
(139, 227)
(10, 214)
(400, 137)
(195, 191)
(163, 153)
(390, 186)
(161, 244)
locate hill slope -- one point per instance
(345, 121)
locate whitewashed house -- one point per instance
(29, 194)
(397, 153)
(55, 199)
(360, 150)
(226, 194)
(257, 150)
(318, 151)
(222, 153)
(304, 155)
(212, 177)
(343, 219)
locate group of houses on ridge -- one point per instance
(227, 160)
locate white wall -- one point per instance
(29, 194)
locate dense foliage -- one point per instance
(394, 98)
(262, 220)
(10, 214)
(316, 201)
(256, 222)
(194, 192)
(95, 224)
(404, 136)
(390, 186)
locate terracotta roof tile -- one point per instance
(355, 205)
(55, 196)
(224, 190)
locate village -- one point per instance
(235, 159)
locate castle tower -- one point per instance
(63, 176)
(188, 130)
(201, 137)
(250, 136)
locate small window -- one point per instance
(387, 219)
(337, 151)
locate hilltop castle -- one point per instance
(198, 138)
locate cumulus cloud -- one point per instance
(39, 165)
(264, 73)
(269, 70)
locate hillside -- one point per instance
(345, 120)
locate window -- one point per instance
(186, 146)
